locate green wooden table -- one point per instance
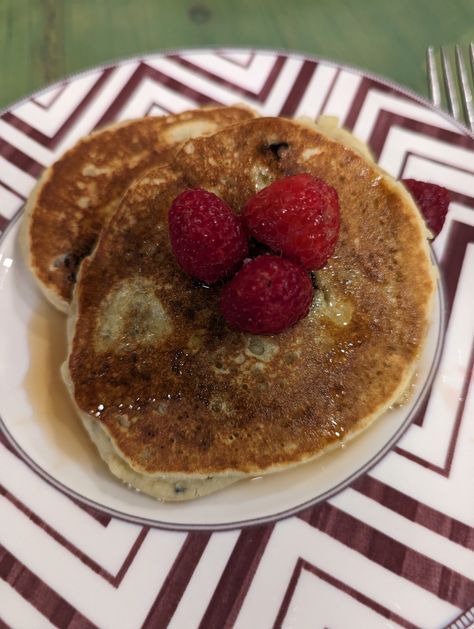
(44, 40)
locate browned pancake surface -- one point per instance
(179, 391)
(84, 187)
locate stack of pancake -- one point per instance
(178, 404)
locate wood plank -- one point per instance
(44, 40)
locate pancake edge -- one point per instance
(162, 485)
(49, 292)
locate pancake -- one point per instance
(80, 191)
(178, 404)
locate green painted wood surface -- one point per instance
(44, 40)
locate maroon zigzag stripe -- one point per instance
(386, 120)
(415, 511)
(137, 544)
(455, 196)
(246, 64)
(3, 625)
(48, 602)
(176, 581)
(360, 96)
(330, 89)
(100, 516)
(235, 581)
(27, 129)
(5, 442)
(114, 580)
(53, 100)
(10, 189)
(3, 223)
(299, 88)
(145, 71)
(302, 564)
(156, 104)
(459, 236)
(446, 469)
(392, 555)
(52, 142)
(421, 412)
(20, 160)
(260, 96)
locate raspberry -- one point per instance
(297, 216)
(208, 240)
(432, 200)
(267, 295)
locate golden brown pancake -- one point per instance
(180, 405)
(79, 192)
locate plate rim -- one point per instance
(261, 520)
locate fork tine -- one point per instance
(451, 93)
(465, 88)
(433, 78)
(471, 57)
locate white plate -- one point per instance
(39, 420)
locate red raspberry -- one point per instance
(208, 240)
(268, 295)
(297, 216)
(432, 200)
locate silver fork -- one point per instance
(453, 84)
